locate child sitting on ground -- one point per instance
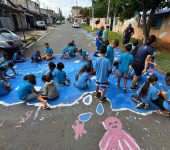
(52, 67)
(66, 51)
(89, 65)
(125, 61)
(36, 57)
(4, 87)
(115, 70)
(148, 92)
(18, 57)
(26, 91)
(48, 52)
(151, 65)
(83, 53)
(110, 50)
(5, 59)
(61, 76)
(73, 44)
(82, 79)
(49, 89)
(103, 68)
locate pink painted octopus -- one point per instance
(115, 137)
(78, 129)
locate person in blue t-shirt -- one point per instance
(82, 81)
(48, 52)
(148, 92)
(103, 68)
(99, 38)
(110, 50)
(125, 61)
(36, 57)
(4, 87)
(73, 44)
(66, 51)
(26, 91)
(18, 57)
(61, 76)
(49, 73)
(83, 53)
(89, 65)
(142, 55)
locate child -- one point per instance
(61, 76)
(125, 61)
(27, 92)
(84, 54)
(152, 66)
(4, 87)
(36, 57)
(82, 70)
(48, 53)
(148, 92)
(49, 90)
(116, 65)
(89, 65)
(103, 69)
(5, 59)
(74, 45)
(110, 52)
(52, 67)
(82, 79)
(66, 51)
(135, 46)
(18, 57)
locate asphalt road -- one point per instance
(25, 127)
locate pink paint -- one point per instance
(23, 119)
(115, 137)
(78, 129)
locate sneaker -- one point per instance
(133, 88)
(139, 105)
(124, 89)
(146, 106)
(98, 95)
(102, 100)
(117, 85)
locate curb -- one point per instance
(31, 44)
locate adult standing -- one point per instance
(105, 34)
(127, 34)
(141, 58)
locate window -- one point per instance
(157, 21)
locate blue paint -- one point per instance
(85, 117)
(100, 109)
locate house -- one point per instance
(75, 11)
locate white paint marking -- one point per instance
(120, 145)
(130, 148)
(36, 113)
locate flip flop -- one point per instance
(161, 113)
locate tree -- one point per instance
(86, 13)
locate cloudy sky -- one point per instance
(65, 5)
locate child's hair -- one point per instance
(30, 78)
(10, 65)
(88, 70)
(70, 44)
(72, 41)
(46, 78)
(2, 69)
(79, 50)
(60, 66)
(106, 43)
(38, 52)
(135, 42)
(152, 57)
(145, 88)
(115, 63)
(150, 40)
(116, 42)
(128, 47)
(107, 27)
(102, 28)
(46, 44)
(167, 77)
(19, 52)
(103, 49)
(89, 61)
(51, 65)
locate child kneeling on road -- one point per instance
(48, 52)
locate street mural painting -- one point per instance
(87, 100)
(115, 137)
(100, 109)
(79, 130)
(23, 119)
(85, 117)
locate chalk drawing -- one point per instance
(78, 129)
(100, 109)
(85, 117)
(35, 122)
(115, 137)
(1, 124)
(87, 100)
(23, 119)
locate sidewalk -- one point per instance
(33, 35)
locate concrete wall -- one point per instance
(20, 2)
(33, 6)
(103, 22)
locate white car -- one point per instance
(76, 25)
(9, 42)
(41, 25)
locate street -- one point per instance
(25, 127)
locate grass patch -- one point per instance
(162, 58)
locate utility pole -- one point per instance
(76, 8)
(108, 11)
(92, 14)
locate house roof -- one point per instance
(159, 12)
(7, 8)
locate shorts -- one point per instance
(31, 97)
(138, 68)
(122, 74)
(126, 40)
(48, 57)
(103, 85)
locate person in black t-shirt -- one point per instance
(129, 31)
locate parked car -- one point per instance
(41, 25)
(63, 21)
(9, 42)
(58, 22)
(76, 25)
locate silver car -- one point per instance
(9, 42)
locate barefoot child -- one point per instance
(103, 69)
(48, 52)
(84, 54)
(65, 51)
(89, 65)
(125, 61)
(115, 70)
(36, 57)
(52, 67)
(18, 57)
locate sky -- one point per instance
(65, 5)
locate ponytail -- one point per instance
(145, 88)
